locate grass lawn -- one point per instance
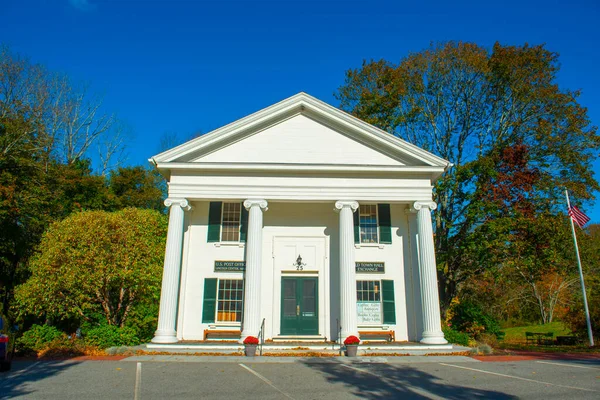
(518, 333)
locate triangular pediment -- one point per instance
(296, 131)
(300, 140)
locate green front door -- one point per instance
(299, 310)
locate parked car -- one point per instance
(5, 361)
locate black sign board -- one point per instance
(370, 267)
(230, 266)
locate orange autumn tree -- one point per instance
(525, 246)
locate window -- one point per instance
(368, 291)
(230, 231)
(373, 224)
(368, 296)
(368, 223)
(230, 300)
(375, 302)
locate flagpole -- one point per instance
(585, 303)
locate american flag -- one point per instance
(578, 216)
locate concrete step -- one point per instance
(302, 349)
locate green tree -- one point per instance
(96, 263)
(24, 157)
(589, 246)
(467, 104)
(47, 126)
(137, 187)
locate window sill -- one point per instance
(225, 325)
(381, 326)
(230, 244)
(378, 245)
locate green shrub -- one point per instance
(39, 337)
(456, 337)
(143, 319)
(469, 318)
(105, 336)
(574, 317)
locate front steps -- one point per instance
(302, 349)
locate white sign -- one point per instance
(369, 312)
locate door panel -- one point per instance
(288, 308)
(299, 309)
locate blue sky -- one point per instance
(187, 66)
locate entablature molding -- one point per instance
(367, 194)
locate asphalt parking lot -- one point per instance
(399, 377)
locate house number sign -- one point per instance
(230, 266)
(370, 267)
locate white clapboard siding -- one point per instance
(300, 140)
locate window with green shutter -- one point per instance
(214, 221)
(209, 306)
(227, 222)
(389, 304)
(385, 224)
(373, 224)
(223, 299)
(356, 227)
(244, 224)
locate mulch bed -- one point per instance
(98, 358)
(75, 358)
(524, 355)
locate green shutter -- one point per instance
(244, 224)
(357, 226)
(214, 221)
(389, 305)
(209, 306)
(385, 224)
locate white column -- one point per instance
(169, 294)
(432, 328)
(348, 311)
(252, 317)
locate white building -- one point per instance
(303, 217)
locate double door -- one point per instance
(299, 306)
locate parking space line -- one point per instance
(138, 382)
(268, 382)
(415, 389)
(519, 378)
(567, 365)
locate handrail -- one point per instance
(261, 337)
(339, 335)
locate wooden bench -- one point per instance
(539, 337)
(546, 338)
(530, 338)
(567, 340)
(388, 336)
(221, 334)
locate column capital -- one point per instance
(183, 203)
(346, 203)
(417, 205)
(262, 203)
